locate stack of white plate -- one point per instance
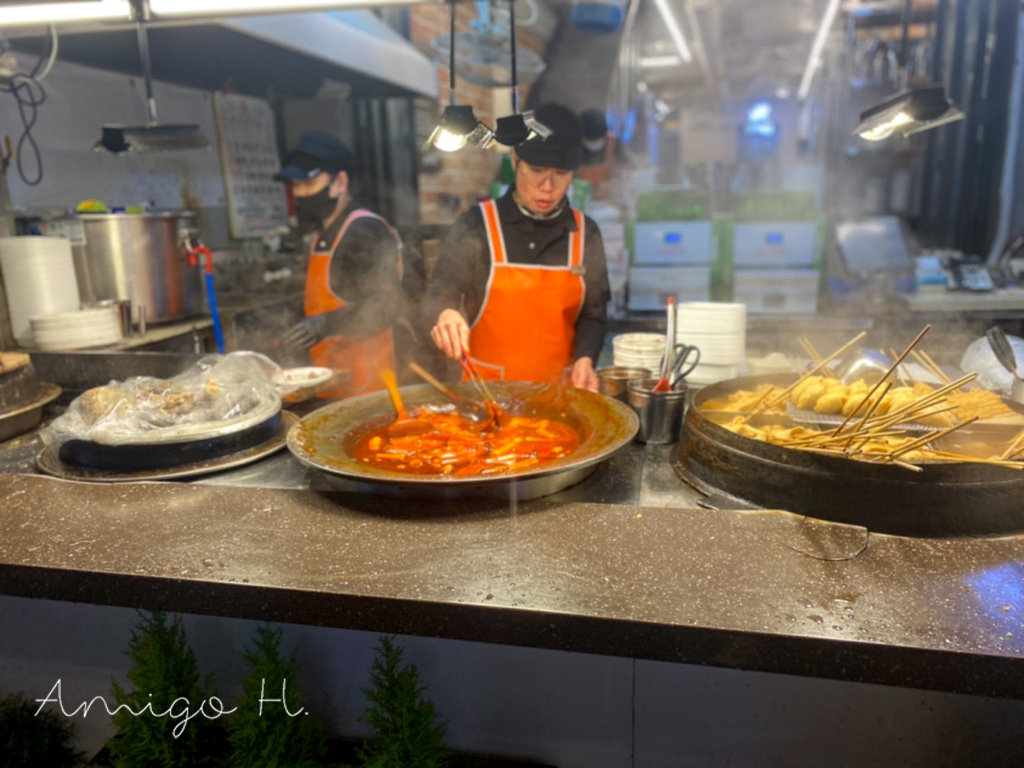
(77, 330)
(719, 331)
(639, 350)
(39, 279)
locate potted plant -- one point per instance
(407, 730)
(152, 732)
(265, 733)
(30, 740)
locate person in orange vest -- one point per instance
(353, 278)
(521, 284)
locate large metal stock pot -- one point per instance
(142, 258)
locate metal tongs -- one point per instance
(493, 409)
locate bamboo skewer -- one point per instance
(867, 397)
(867, 415)
(781, 396)
(928, 438)
(941, 373)
(905, 376)
(1015, 445)
(809, 349)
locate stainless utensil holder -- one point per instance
(661, 413)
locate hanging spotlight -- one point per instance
(458, 126)
(516, 128)
(908, 112)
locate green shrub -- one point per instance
(407, 731)
(164, 670)
(28, 740)
(277, 738)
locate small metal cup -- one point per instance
(612, 380)
(661, 413)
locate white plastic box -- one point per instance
(650, 287)
(777, 291)
(662, 243)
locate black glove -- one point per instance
(306, 333)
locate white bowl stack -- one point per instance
(39, 279)
(639, 350)
(77, 330)
(719, 331)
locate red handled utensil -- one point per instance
(664, 385)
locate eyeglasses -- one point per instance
(537, 175)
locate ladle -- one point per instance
(404, 425)
(1004, 354)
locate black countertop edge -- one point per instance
(850, 661)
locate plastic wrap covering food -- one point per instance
(215, 396)
(980, 359)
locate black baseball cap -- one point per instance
(563, 148)
(316, 153)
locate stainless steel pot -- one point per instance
(142, 258)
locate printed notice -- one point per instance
(248, 151)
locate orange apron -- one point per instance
(527, 324)
(362, 357)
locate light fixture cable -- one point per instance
(451, 58)
(512, 43)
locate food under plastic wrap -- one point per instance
(218, 395)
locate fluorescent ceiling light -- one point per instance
(819, 45)
(55, 13)
(170, 8)
(675, 32)
(908, 112)
(659, 62)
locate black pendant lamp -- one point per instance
(912, 110)
(458, 125)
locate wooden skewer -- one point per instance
(420, 371)
(902, 372)
(928, 438)
(929, 365)
(905, 465)
(888, 373)
(942, 374)
(1014, 445)
(781, 396)
(867, 414)
(924, 402)
(809, 349)
(948, 456)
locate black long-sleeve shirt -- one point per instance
(460, 277)
(364, 272)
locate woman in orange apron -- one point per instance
(521, 285)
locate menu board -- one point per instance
(248, 152)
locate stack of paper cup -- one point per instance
(39, 279)
(719, 331)
(639, 350)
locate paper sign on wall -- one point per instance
(248, 150)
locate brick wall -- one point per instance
(465, 176)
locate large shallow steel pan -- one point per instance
(325, 440)
(943, 500)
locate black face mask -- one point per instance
(314, 210)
